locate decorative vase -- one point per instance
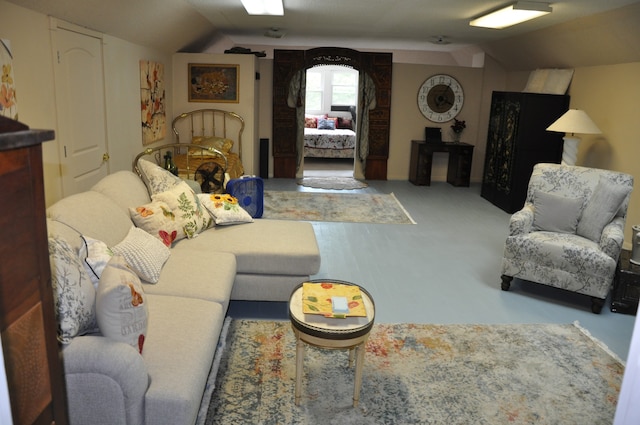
(456, 135)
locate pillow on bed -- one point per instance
(327, 124)
(310, 122)
(345, 123)
(220, 143)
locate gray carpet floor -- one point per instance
(444, 269)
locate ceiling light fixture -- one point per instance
(264, 7)
(514, 14)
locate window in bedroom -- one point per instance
(313, 99)
(330, 85)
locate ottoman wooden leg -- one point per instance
(358, 375)
(299, 368)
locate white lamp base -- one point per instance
(570, 150)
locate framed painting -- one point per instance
(213, 83)
(8, 102)
(152, 101)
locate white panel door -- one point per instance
(80, 104)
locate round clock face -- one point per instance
(440, 98)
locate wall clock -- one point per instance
(440, 98)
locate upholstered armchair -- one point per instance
(570, 231)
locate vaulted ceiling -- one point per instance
(576, 33)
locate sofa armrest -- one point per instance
(521, 221)
(106, 381)
(612, 238)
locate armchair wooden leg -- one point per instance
(506, 282)
(596, 305)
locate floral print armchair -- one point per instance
(570, 231)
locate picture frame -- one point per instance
(214, 83)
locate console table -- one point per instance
(459, 168)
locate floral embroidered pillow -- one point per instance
(121, 304)
(73, 293)
(224, 209)
(156, 178)
(186, 208)
(157, 219)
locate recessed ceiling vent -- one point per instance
(274, 33)
(440, 39)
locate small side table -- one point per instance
(458, 169)
(626, 286)
(350, 333)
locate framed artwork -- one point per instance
(8, 102)
(213, 83)
(152, 102)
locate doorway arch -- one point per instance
(286, 63)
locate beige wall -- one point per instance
(246, 106)
(610, 95)
(30, 39)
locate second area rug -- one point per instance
(336, 207)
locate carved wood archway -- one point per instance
(287, 62)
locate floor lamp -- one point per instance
(573, 121)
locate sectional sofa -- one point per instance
(147, 361)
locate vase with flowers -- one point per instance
(457, 128)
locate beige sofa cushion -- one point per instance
(197, 273)
(264, 246)
(92, 214)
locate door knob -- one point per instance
(105, 157)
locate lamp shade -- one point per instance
(574, 121)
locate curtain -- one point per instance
(366, 102)
(297, 90)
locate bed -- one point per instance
(207, 148)
(331, 137)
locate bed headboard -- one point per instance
(194, 125)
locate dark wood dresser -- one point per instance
(27, 318)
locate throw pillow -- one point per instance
(96, 254)
(225, 209)
(157, 219)
(121, 305)
(156, 178)
(145, 254)
(220, 143)
(73, 294)
(186, 207)
(605, 202)
(310, 122)
(327, 124)
(555, 213)
(345, 123)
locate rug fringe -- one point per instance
(598, 342)
(403, 208)
(213, 374)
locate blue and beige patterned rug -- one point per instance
(336, 207)
(420, 374)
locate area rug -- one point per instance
(341, 183)
(420, 374)
(336, 207)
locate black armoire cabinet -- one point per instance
(516, 141)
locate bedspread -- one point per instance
(339, 143)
